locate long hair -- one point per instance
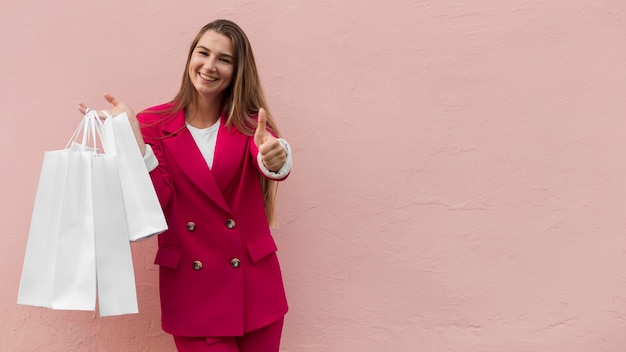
(241, 100)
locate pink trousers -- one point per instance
(265, 339)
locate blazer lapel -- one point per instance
(230, 151)
(186, 154)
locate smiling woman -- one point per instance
(214, 157)
(210, 71)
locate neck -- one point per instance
(204, 113)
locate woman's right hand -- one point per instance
(118, 108)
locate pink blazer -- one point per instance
(218, 270)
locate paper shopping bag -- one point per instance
(59, 269)
(37, 281)
(78, 239)
(75, 267)
(114, 264)
(144, 215)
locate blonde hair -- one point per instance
(241, 100)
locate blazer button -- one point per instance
(191, 226)
(230, 223)
(197, 265)
(235, 263)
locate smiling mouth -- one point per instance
(207, 78)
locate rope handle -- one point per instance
(89, 131)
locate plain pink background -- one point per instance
(459, 181)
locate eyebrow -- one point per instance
(207, 49)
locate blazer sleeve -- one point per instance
(160, 177)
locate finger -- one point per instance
(83, 108)
(111, 99)
(269, 146)
(104, 114)
(273, 158)
(275, 154)
(260, 133)
(274, 161)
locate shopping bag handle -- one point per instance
(91, 129)
(108, 142)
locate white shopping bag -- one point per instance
(78, 240)
(60, 239)
(74, 284)
(144, 215)
(114, 264)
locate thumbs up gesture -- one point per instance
(272, 153)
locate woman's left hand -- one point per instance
(272, 152)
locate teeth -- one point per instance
(207, 78)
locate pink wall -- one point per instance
(460, 179)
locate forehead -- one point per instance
(216, 42)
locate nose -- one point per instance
(209, 64)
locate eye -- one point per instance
(225, 60)
(203, 53)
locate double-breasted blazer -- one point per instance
(218, 270)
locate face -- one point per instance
(211, 65)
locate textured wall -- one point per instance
(459, 181)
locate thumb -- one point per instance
(111, 99)
(260, 133)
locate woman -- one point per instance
(214, 159)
